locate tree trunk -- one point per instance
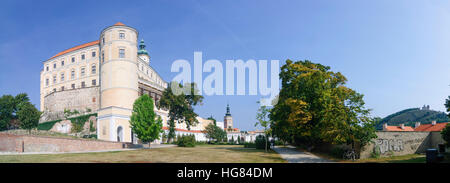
(149, 145)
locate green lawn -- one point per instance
(198, 154)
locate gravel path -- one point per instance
(293, 155)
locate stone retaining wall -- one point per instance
(401, 143)
(25, 143)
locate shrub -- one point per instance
(47, 125)
(260, 142)
(186, 141)
(249, 145)
(338, 152)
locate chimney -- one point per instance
(402, 126)
(433, 123)
(417, 125)
(385, 127)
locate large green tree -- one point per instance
(180, 100)
(9, 106)
(143, 120)
(28, 116)
(215, 133)
(314, 106)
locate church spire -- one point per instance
(228, 110)
(142, 48)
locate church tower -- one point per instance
(142, 53)
(228, 119)
(118, 82)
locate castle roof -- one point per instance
(76, 48)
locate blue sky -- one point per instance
(397, 53)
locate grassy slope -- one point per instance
(198, 154)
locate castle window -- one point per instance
(103, 40)
(94, 69)
(103, 56)
(46, 82)
(121, 53)
(73, 59)
(73, 86)
(94, 82)
(46, 68)
(62, 76)
(121, 35)
(93, 54)
(72, 74)
(54, 65)
(82, 57)
(83, 71)
(83, 84)
(62, 63)
(54, 79)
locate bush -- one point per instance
(338, 152)
(249, 145)
(186, 141)
(47, 125)
(260, 142)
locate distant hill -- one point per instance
(412, 115)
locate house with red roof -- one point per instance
(433, 127)
(401, 128)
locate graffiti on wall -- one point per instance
(387, 145)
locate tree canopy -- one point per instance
(143, 120)
(314, 106)
(9, 106)
(179, 100)
(214, 132)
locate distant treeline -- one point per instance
(412, 115)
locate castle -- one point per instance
(106, 77)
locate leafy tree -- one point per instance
(179, 100)
(143, 120)
(9, 106)
(263, 120)
(215, 132)
(214, 120)
(314, 106)
(28, 116)
(446, 134)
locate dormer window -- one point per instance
(121, 35)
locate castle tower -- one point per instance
(228, 119)
(142, 53)
(118, 82)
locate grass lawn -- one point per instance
(198, 154)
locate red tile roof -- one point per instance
(431, 128)
(399, 129)
(183, 130)
(119, 24)
(76, 48)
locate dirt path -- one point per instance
(293, 155)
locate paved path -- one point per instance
(293, 155)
